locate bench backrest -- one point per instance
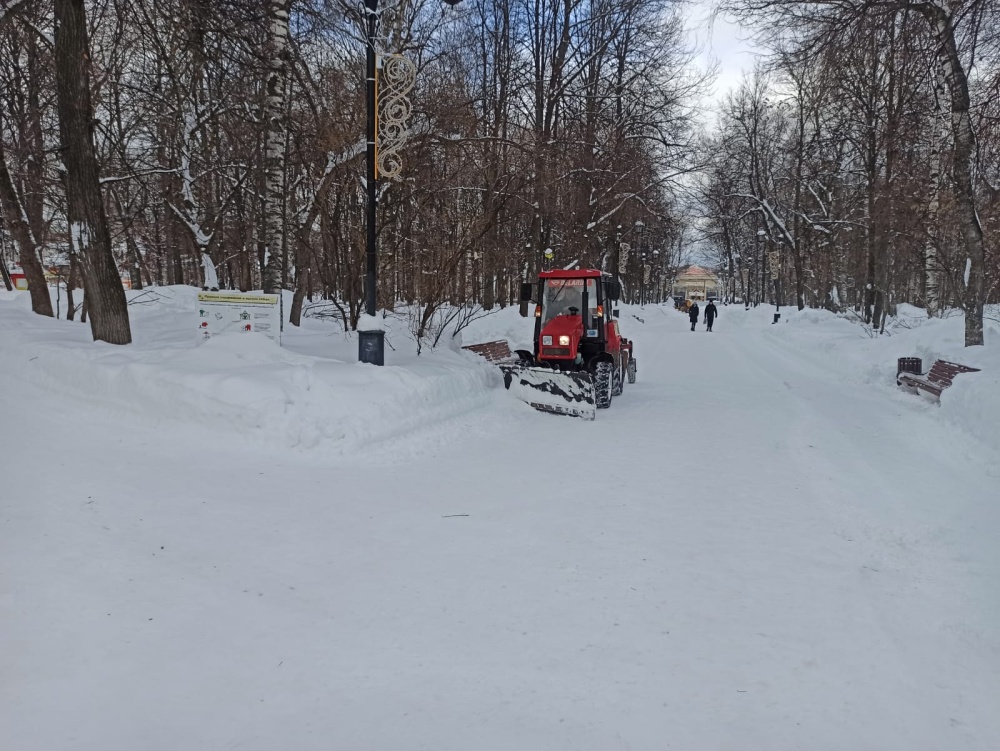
(942, 372)
(492, 351)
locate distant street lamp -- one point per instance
(640, 227)
(371, 344)
(774, 260)
(642, 277)
(658, 298)
(616, 272)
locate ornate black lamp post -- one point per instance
(371, 343)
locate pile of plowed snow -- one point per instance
(312, 392)
(309, 392)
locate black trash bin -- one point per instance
(909, 365)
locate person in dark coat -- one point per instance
(710, 313)
(693, 314)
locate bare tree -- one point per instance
(85, 213)
(15, 217)
(818, 25)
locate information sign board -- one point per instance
(224, 312)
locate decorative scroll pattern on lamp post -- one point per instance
(399, 74)
(624, 250)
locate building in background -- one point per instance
(17, 277)
(696, 283)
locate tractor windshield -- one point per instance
(562, 294)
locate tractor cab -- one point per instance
(564, 297)
(573, 317)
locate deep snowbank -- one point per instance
(311, 392)
(846, 348)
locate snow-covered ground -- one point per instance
(762, 544)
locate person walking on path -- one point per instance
(693, 315)
(710, 313)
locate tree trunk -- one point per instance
(85, 215)
(797, 224)
(301, 283)
(71, 282)
(134, 254)
(34, 189)
(274, 148)
(872, 248)
(932, 272)
(27, 251)
(973, 287)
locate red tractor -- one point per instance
(580, 360)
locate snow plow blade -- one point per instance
(553, 391)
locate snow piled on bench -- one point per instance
(846, 348)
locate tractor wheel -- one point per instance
(603, 389)
(617, 382)
(631, 371)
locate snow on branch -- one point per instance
(819, 200)
(202, 240)
(765, 208)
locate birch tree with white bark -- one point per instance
(275, 119)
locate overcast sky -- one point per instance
(722, 42)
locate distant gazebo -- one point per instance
(696, 283)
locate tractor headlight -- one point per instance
(546, 341)
(563, 341)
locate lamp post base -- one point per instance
(371, 347)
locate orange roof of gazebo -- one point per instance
(695, 271)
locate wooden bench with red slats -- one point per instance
(496, 351)
(936, 380)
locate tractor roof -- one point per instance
(570, 274)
